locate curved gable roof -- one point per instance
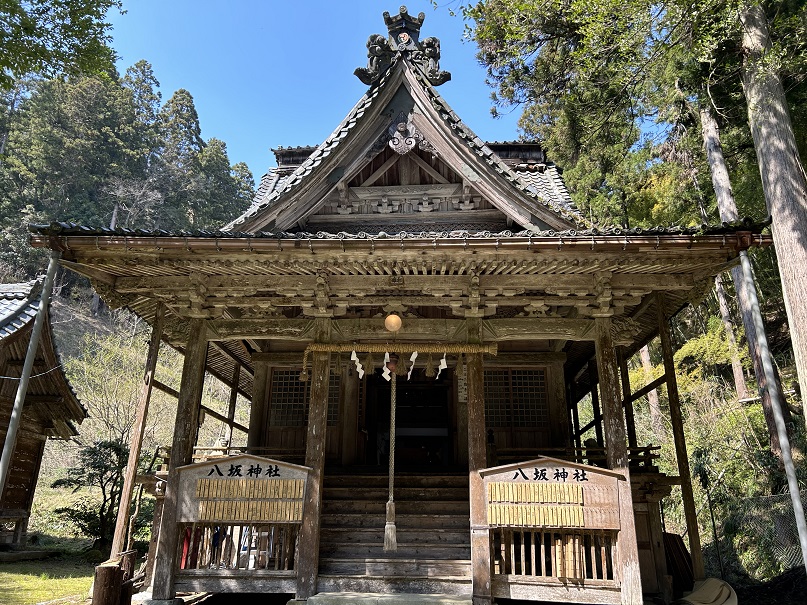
(533, 199)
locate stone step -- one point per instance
(353, 598)
(353, 535)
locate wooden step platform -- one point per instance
(369, 598)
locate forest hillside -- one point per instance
(631, 112)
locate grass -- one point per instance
(66, 578)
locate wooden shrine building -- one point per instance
(517, 308)
(51, 408)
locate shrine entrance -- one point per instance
(425, 418)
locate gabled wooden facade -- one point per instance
(516, 307)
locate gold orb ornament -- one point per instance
(393, 322)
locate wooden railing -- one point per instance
(562, 554)
(203, 454)
(237, 547)
(642, 459)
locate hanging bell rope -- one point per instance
(390, 539)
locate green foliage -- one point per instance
(49, 37)
(100, 150)
(100, 466)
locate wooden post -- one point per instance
(308, 542)
(350, 414)
(190, 396)
(617, 457)
(138, 429)
(595, 405)
(107, 584)
(257, 409)
(477, 460)
(677, 423)
(228, 432)
(627, 402)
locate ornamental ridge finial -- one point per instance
(403, 41)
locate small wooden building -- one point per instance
(51, 408)
(517, 308)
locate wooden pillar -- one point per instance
(308, 542)
(477, 460)
(677, 423)
(257, 409)
(349, 419)
(595, 405)
(627, 401)
(190, 396)
(228, 432)
(617, 458)
(136, 437)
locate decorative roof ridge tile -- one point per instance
(68, 229)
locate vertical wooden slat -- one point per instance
(535, 567)
(523, 553)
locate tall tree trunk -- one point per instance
(783, 179)
(656, 419)
(728, 212)
(728, 326)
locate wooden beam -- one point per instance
(677, 422)
(649, 387)
(138, 430)
(381, 170)
(308, 545)
(554, 281)
(161, 386)
(616, 453)
(190, 396)
(224, 419)
(227, 353)
(428, 169)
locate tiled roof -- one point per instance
(271, 190)
(546, 188)
(18, 305)
(68, 229)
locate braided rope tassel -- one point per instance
(390, 540)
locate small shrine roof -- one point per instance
(19, 304)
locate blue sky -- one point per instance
(270, 73)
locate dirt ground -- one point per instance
(788, 589)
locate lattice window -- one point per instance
(516, 398)
(289, 396)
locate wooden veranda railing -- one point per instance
(642, 459)
(567, 555)
(238, 524)
(244, 547)
(552, 526)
